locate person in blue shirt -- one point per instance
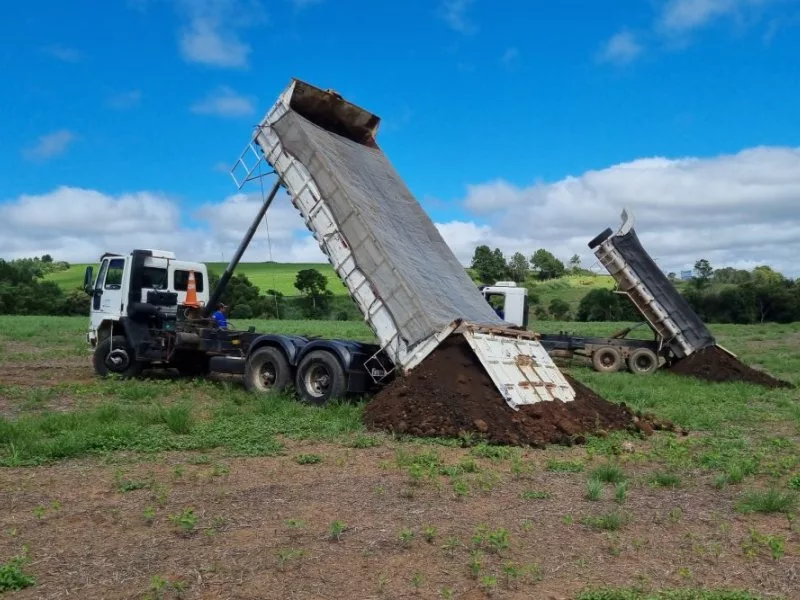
(219, 316)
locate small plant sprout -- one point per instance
(512, 572)
(149, 514)
(450, 545)
(405, 536)
(446, 593)
(336, 529)
(621, 492)
(489, 583)
(417, 580)
(186, 520)
(286, 554)
(534, 495)
(12, 574)
(429, 532)
(498, 540)
(295, 523)
(40, 511)
(308, 459)
(675, 515)
(475, 563)
(608, 473)
(594, 488)
(665, 479)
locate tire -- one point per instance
(607, 360)
(643, 361)
(320, 378)
(114, 355)
(599, 239)
(266, 370)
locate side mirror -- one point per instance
(87, 280)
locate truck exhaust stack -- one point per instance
(410, 287)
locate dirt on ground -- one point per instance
(451, 394)
(714, 364)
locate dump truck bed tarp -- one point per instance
(694, 330)
(393, 241)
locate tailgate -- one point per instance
(519, 366)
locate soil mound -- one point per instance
(450, 393)
(714, 364)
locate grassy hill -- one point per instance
(278, 276)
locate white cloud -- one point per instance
(50, 145)
(78, 225)
(64, 53)
(683, 16)
(738, 209)
(621, 48)
(125, 100)
(735, 210)
(510, 57)
(454, 13)
(211, 33)
(224, 102)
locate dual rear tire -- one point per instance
(319, 378)
(641, 361)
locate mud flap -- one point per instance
(520, 368)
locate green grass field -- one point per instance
(195, 488)
(278, 276)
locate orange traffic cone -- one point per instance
(191, 292)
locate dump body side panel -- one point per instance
(653, 294)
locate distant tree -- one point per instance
(314, 287)
(605, 305)
(47, 258)
(672, 276)
(559, 309)
(518, 267)
(546, 265)
(489, 265)
(729, 275)
(574, 262)
(703, 272)
(242, 311)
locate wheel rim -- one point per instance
(317, 381)
(118, 360)
(266, 375)
(643, 362)
(607, 359)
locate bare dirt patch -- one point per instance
(714, 364)
(450, 393)
(263, 530)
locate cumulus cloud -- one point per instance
(736, 210)
(211, 33)
(224, 102)
(125, 100)
(49, 145)
(622, 48)
(64, 53)
(454, 13)
(78, 225)
(680, 16)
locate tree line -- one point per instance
(725, 295)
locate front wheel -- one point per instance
(320, 378)
(266, 370)
(113, 355)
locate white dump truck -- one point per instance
(398, 269)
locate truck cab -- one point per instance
(510, 299)
(124, 283)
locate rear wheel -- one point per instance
(320, 378)
(266, 370)
(113, 355)
(643, 361)
(607, 360)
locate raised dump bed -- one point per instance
(410, 287)
(639, 277)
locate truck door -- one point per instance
(107, 294)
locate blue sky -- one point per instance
(520, 123)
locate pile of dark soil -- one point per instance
(714, 364)
(450, 393)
